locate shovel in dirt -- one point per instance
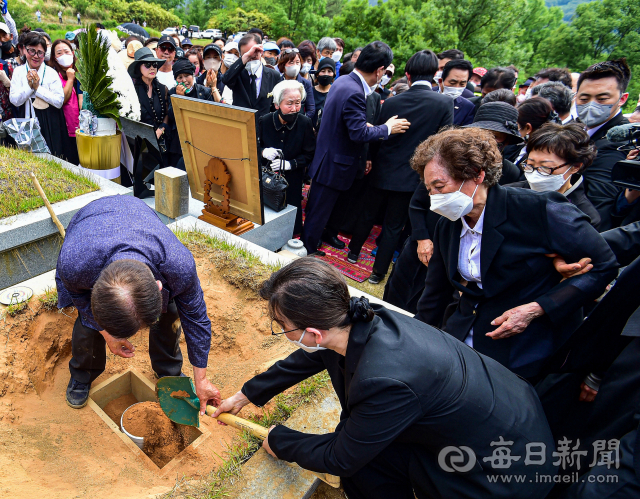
(178, 400)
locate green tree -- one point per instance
(197, 13)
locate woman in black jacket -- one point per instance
(421, 412)
(153, 95)
(491, 247)
(287, 142)
(557, 156)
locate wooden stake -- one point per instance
(48, 205)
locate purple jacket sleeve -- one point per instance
(355, 118)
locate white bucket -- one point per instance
(106, 126)
(139, 441)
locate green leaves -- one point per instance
(92, 71)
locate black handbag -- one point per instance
(274, 189)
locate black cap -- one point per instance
(186, 41)
(183, 66)
(499, 117)
(214, 47)
(327, 62)
(167, 39)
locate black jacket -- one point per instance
(577, 196)
(599, 188)
(428, 112)
(297, 142)
(237, 79)
(161, 102)
(403, 381)
(520, 228)
(374, 107)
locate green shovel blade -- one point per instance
(178, 400)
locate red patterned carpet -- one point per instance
(338, 258)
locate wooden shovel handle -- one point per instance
(262, 432)
(47, 204)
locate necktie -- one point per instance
(254, 91)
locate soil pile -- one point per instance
(115, 408)
(163, 439)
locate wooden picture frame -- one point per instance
(226, 132)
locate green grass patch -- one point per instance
(17, 308)
(19, 195)
(237, 266)
(49, 299)
(218, 483)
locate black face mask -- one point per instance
(288, 118)
(7, 48)
(325, 80)
(271, 61)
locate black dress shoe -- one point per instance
(317, 253)
(376, 278)
(352, 257)
(77, 394)
(335, 242)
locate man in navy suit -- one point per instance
(455, 76)
(341, 138)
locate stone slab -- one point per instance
(273, 235)
(286, 481)
(171, 192)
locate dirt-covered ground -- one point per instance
(49, 450)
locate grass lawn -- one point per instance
(17, 192)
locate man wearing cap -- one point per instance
(186, 44)
(523, 88)
(250, 81)
(6, 38)
(476, 76)
(271, 54)
(166, 50)
(211, 77)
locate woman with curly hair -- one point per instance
(558, 154)
(490, 247)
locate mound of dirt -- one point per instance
(163, 439)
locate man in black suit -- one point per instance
(601, 95)
(494, 79)
(455, 76)
(393, 178)
(444, 58)
(250, 81)
(343, 132)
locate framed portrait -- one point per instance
(208, 129)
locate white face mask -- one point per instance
(337, 55)
(306, 67)
(47, 54)
(292, 71)
(65, 60)
(385, 79)
(229, 59)
(520, 98)
(452, 205)
(253, 66)
(212, 64)
(545, 183)
(437, 77)
(454, 92)
(528, 94)
(299, 344)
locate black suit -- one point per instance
(576, 195)
(407, 391)
(394, 180)
(600, 189)
(520, 227)
(406, 282)
(238, 80)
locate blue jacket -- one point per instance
(342, 134)
(463, 111)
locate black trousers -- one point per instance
(395, 218)
(89, 355)
(319, 207)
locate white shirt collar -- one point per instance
(421, 82)
(592, 131)
(476, 229)
(365, 85)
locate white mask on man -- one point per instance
(253, 67)
(385, 79)
(337, 55)
(229, 59)
(454, 92)
(437, 77)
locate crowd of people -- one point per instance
(497, 204)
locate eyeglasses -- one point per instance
(149, 65)
(291, 51)
(542, 170)
(277, 329)
(167, 48)
(35, 53)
